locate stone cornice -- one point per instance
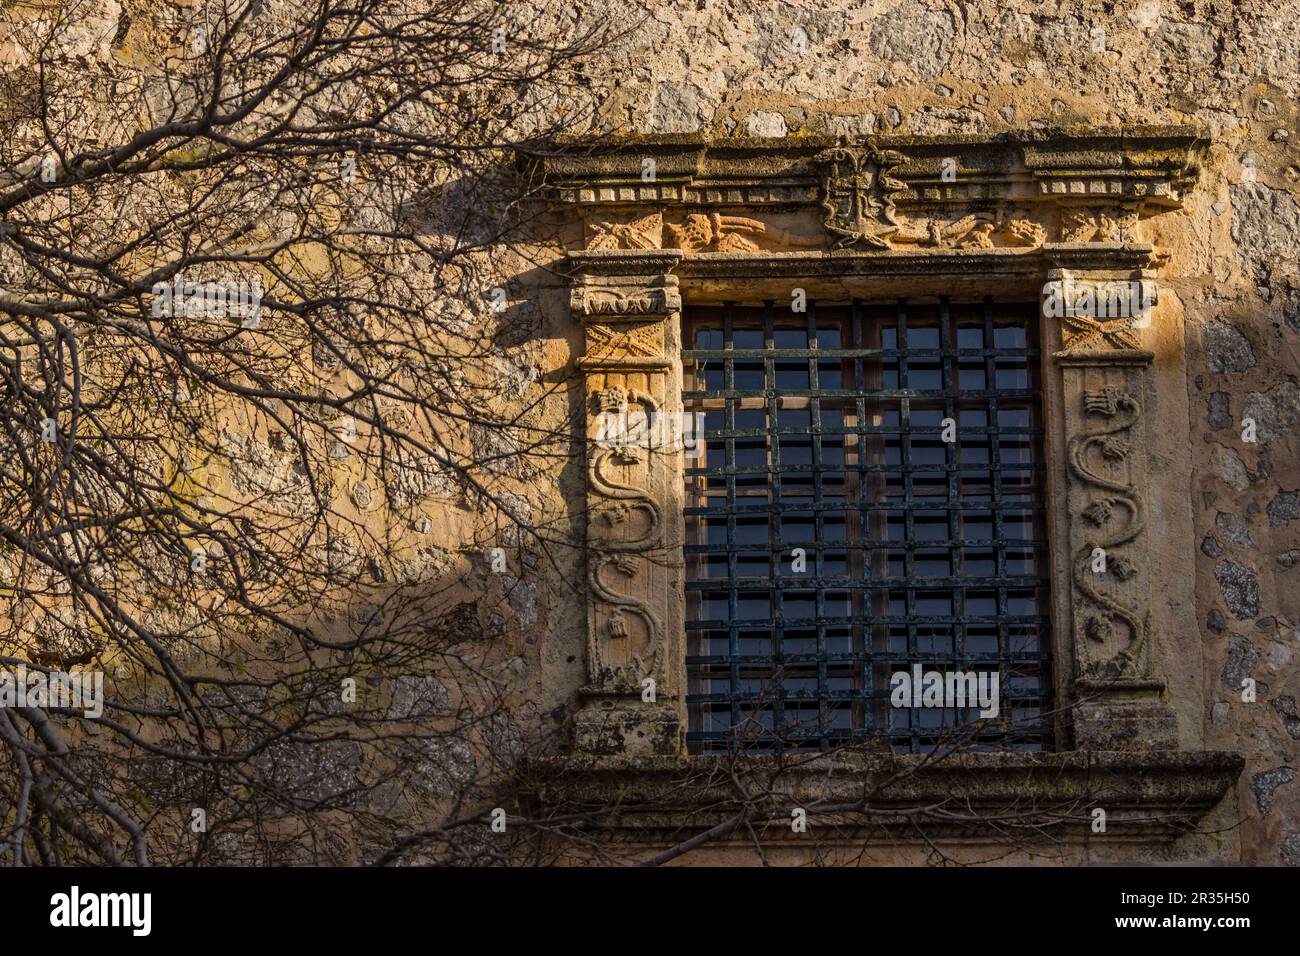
(1146, 167)
(1149, 797)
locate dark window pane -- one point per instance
(870, 544)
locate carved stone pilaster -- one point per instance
(1117, 698)
(633, 701)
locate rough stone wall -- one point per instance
(405, 535)
(739, 67)
(1232, 70)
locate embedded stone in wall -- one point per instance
(1239, 586)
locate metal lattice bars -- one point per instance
(835, 538)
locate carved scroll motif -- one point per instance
(1116, 517)
(626, 504)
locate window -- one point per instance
(834, 538)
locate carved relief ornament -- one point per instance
(696, 232)
(643, 232)
(1116, 517)
(626, 504)
(1019, 189)
(633, 299)
(858, 195)
(1100, 313)
(626, 324)
(980, 230)
(1098, 223)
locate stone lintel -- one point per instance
(863, 272)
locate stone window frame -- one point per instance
(1015, 216)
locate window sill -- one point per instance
(1149, 798)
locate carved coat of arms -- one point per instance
(857, 195)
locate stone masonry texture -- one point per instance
(1233, 70)
(731, 68)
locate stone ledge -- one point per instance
(1148, 797)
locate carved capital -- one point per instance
(1100, 311)
(625, 298)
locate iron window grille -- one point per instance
(823, 431)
